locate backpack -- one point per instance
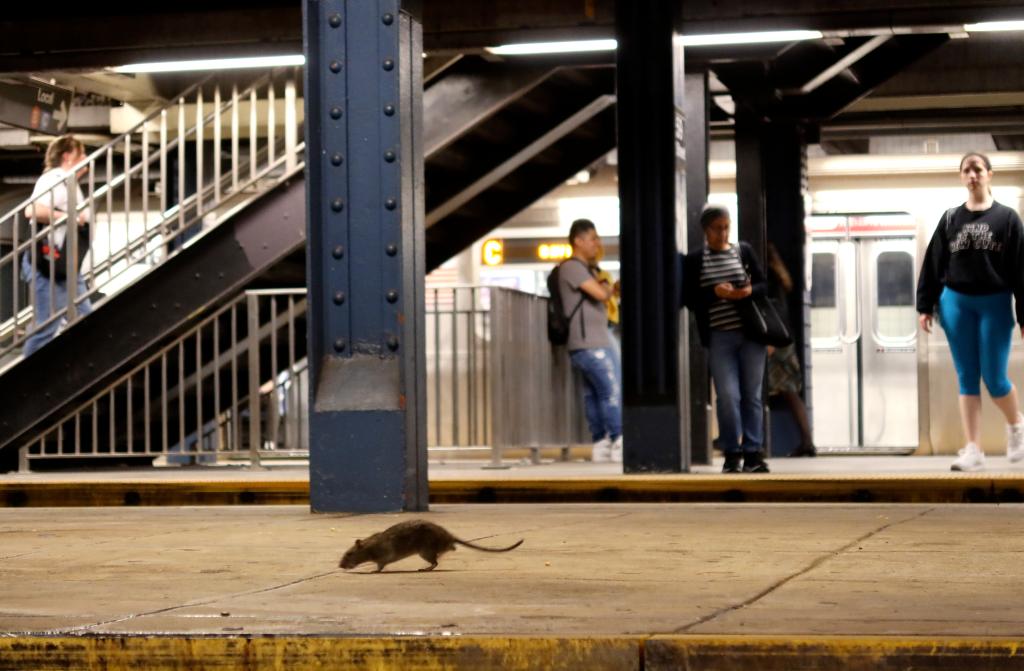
(558, 321)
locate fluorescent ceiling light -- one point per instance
(993, 26)
(684, 40)
(748, 38)
(553, 47)
(214, 64)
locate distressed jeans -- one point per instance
(41, 307)
(602, 390)
(737, 367)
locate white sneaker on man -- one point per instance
(616, 451)
(602, 452)
(970, 458)
(1015, 440)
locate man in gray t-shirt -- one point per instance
(590, 345)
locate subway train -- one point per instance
(879, 385)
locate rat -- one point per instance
(406, 539)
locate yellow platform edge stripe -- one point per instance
(206, 492)
(114, 652)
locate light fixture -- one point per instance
(993, 26)
(530, 48)
(748, 38)
(213, 64)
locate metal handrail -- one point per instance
(493, 380)
(155, 243)
(168, 389)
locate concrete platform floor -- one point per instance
(859, 585)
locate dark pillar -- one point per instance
(364, 177)
(750, 180)
(785, 194)
(697, 109)
(771, 185)
(653, 214)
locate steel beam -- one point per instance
(697, 110)
(469, 92)
(652, 194)
(365, 257)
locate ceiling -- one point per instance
(884, 67)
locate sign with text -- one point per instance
(35, 106)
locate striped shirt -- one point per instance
(718, 267)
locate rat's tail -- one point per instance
(481, 547)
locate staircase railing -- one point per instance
(234, 385)
(150, 190)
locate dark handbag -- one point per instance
(762, 323)
(48, 254)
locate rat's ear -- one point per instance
(359, 543)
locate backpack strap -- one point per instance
(579, 304)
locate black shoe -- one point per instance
(732, 464)
(805, 451)
(754, 463)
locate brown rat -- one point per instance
(406, 539)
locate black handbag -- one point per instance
(48, 254)
(762, 323)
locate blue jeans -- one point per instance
(602, 390)
(41, 306)
(980, 332)
(737, 367)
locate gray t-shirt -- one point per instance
(592, 313)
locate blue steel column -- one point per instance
(365, 261)
(652, 193)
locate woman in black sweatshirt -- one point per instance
(971, 271)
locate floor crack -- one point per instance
(192, 604)
(807, 569)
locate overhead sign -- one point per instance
(35, 106)
(502, 251)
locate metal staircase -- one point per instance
(203, 198)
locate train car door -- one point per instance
(863, 333)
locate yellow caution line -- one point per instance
(557, 653)
(600, 490)
(296, 653)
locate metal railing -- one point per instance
(538, 398)
(236, 385)
(458, 334)
(144, 194)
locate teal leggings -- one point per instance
(979, 330)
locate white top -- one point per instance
(57, 199)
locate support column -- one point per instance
(785, 197)
(365, 261)
(771, 185)
(750, 185)
(697, 106)
(652, 193)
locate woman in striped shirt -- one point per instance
(715, 278)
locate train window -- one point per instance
(824, 315)
(896, 315)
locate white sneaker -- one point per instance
(1015, 440)
(602, 452)
(970, 458)
(616, 451)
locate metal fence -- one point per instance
(537, 397)
(144, 194)
(234, 385)
(237, 386)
